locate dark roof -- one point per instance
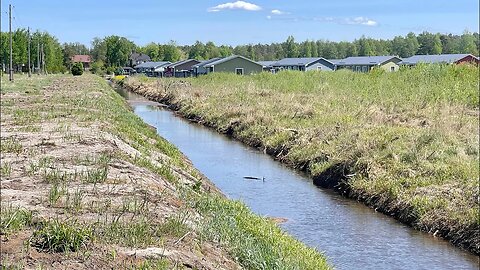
(139, 57)
(298, 61)
(434, 58)
(267, 63)
(183, 62)
(152, 64)
(206, 62)
(82, 58)
(222, 60)
(366, 60)
(335, 61)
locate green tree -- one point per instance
(171, 52)
(468, 43)
(290, 47)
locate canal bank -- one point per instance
(352, 235)
(419, 167)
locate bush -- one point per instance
(98, 68)
(77, 69)
(119, 71)
(111, 70)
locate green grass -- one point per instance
(256, 242)
(61, 236)
(407, 138)
(14, 219)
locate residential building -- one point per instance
(268, 65)
(199, 69)
(235, 64)
(367, 63)
(138, 58)
(440, 59)
(152, 69)
(86, 60)
(304, 64)
(182, 68)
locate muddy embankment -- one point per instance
(336, 176)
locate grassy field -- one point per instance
(87, 185)
(405, 143)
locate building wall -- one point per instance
(389, 65)
(468, 59)
(233, 64)
(319, 66)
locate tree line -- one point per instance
(113, 51)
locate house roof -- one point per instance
(434, 58)
(152, 64)
(267, 63)
(206, 62)
(173, 65)
(335, 61)
(139, 57)
(81, 58)
(298, 61)
(366, 60)
(226, 59)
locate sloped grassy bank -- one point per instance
(87, 184)
(404, 143)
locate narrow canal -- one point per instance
(352, 235)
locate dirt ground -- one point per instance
(52, 165)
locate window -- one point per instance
(392, 69)
(319, 68)
(358, 68)
(239, 71)
(364, 69)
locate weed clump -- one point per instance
(57, 236)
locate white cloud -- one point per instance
(235, 5)
(361, 21)
(269, 17)
(278, 12)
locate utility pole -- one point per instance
(38, 57)
(41, 58)
(29, 62)
(11, 45)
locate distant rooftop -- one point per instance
(298, 61)
(152, 64)
(221, 60)
(434, 58)
(366, 60)
(206, 62)
(81, 58)
(267, 63)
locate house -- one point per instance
(304, 64)
(199, 69)
(367, 63)
(152, 69)
(128, 71)
(138, 58)
(86, 60)
(235, 64)
(182, 68)
(440, 59)
(268, 65)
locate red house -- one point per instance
(86, 60)
(469, 59)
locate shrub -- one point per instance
(77, 69)
(98, 68)
(111, 70)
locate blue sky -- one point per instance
(241, 22)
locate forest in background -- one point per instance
(113, 51)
